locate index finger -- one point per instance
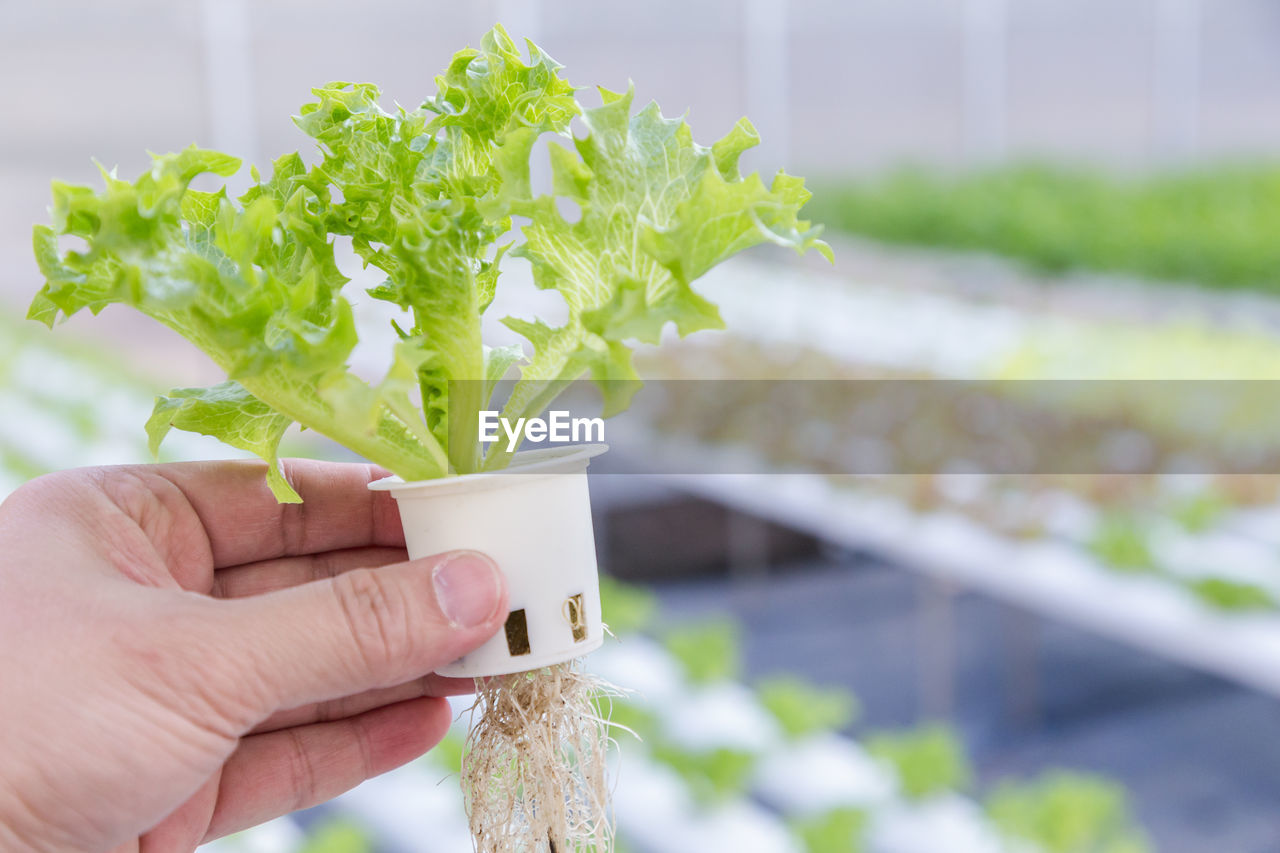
(245, 523)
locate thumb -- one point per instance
(364, 629)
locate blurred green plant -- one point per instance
(707, 652)
(842, 829)
(67, 387)
(930, 760)
(1067, 813)
(627, 608)
(713, 775)
(1199, 512)
(1216, 225)
(19, 465)
(337, 836)
(1223, 594)
(90, 394)
(803, 709)
(1120, 541)
(626, 715)
(447, 754)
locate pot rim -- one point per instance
(541, 462)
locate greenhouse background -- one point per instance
(1058, 659)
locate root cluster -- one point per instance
(533, 773)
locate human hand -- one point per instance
(181, 657)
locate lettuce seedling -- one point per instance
(1230, 595)
(803, 709)
(426, 196)
(1121, 542)
(844, 828)
(1067, 812)
(713, 775)
(928, 761)
(707, 652)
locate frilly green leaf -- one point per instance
(425, 195)
(657, 212)
(232, 415)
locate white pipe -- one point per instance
(228, 74)
(985, 79)
(522, 18)
(765, 79)
(1175, 119)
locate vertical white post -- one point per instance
(1175, 115)
(936, 627)
(747, 547)
(765, 78)
(521, 18)
(985, 79)
(1021, 635)
(228, 75)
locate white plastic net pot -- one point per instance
(534, 519)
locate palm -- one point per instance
(131, 568)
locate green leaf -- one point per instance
(337, 836)
(1120, 542)
(230, 414)
(426, 196)
(1199, 512)
(492, 92)
(1213, 224)
(708, 653)
(1067, 813)
(498, 361)
(803, 709)
(843, 829)
(928, 761)
(252, 282)
(626, 608)
(629, 716)
(712, 775)
(449, 751)
(657, 211)
(1231, 595)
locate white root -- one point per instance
(533, 772)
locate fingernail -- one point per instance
(467, 588)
